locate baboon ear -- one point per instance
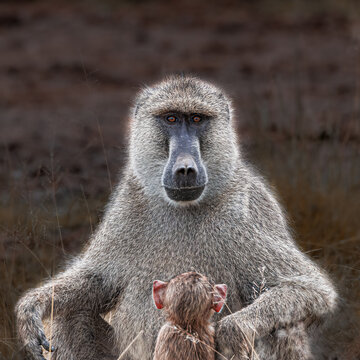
(219, 296)
(159, 288)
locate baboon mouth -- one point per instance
(184, 194)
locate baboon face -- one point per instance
(182, 142)
(184, 177)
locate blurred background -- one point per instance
(69, 71)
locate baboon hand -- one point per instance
(33, 346)
(31, 331)
(234, 338)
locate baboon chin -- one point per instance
(184, 194)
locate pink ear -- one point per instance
(219, 296)
(159, 288)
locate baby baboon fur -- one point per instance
(189, 301)
(187, 200)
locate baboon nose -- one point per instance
(185, 171)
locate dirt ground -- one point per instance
(69, 72)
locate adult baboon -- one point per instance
(186, 201)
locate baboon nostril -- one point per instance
(182, 171)
(186, 170)
(191, 170)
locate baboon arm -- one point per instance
(80, 287)
(289, 302)
(296, 287)
(298, 299)
(283, 305)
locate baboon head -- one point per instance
(189, 298)
(182, 144)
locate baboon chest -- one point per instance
(164, 258)
(163, 251)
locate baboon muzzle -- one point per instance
(184, 176)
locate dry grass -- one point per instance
(316, 174)
(31, 249)
(319, 186)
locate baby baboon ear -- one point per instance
(159, 288)
(219, 296)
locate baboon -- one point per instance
(187, 200)
(189, 301)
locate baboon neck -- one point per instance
(199, 330)
(189, 323)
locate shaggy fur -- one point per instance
(234, 233)
(188, 332)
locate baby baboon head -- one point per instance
(189, 298)
(182, 146)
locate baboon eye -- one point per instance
(196, 118)
(171, 118)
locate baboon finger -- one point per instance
(45, 344)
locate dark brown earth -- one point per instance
(68, 75)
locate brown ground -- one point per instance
(69, 72)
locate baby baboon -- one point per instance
(187, 200)
(189, 301)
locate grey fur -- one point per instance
(234, 233)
